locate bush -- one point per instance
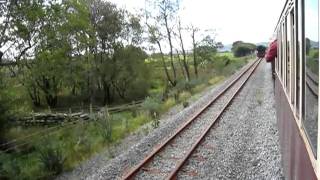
(4, 109)
(215, 80)
(138, 121)
(168, 104)
(241, 49)
(152, 106)
(199, 88)
(52, 160)
(185, 104)
(184, 96)
(105, 126)
(184, 85)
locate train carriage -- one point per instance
(297, 88)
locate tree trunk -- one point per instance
(35, 96)
(181, 66)
(107, 94)
(194, 54)
(171, 51)
(185, 64)
(165, 66)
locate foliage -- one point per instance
(4, 108)
(52, 160)
(132, 72)
(241, 49)
(105, 126)
(185, 104)
(170, 102)
(152, 105)
(79, 52)
(183, 96)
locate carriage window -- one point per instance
(298, 59)
(283, 66)
(311, 71)
(293, 62)
(288, 55)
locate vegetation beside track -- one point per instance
(68, 146)
(76, 53)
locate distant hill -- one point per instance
(229, 46)
(314, 44)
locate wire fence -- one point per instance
(61, 115)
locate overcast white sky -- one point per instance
(246, 20)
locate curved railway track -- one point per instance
(166, 160)
(312, 82)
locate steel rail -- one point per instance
(174, 173)
(158, 148)
(312, 88)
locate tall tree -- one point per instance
(184, 54)
(194, 30)
(108, 22)
(155, 37)
(167, 11)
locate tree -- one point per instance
(115, 29)
(240, 48)
(166, 13)
(184, 60)
(27, 20)
(168, 10)
(4, 108)
(108, 23)
(49, 36)
(5, 25)
(155, 37)
(133, 72)
(194, 30)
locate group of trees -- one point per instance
(79, 45)
(240, 48)
(93, 47)
(165, 29)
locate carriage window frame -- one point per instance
(297, 47)
(284, 47)
(288, 59)
(292, 57)
(314, 145)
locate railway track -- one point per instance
(166, 160)
(312, 82)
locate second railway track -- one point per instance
(165, 161)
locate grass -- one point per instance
(73, 145)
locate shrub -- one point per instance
(184, 85)
(105, 126)
(168, 104)
(52, 160)
(199, 88)
(185, 104)
(138, 121)
(184, 96)
(152, 106)
(4, 107)
(155, 123)
(215, 80)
